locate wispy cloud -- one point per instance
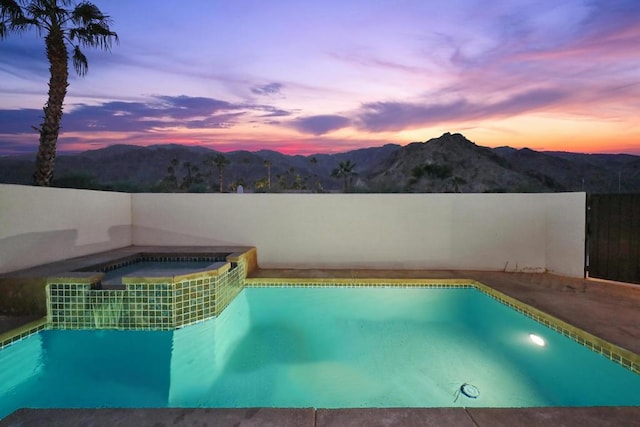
(19, 121)
(268, 89)
(319, 125)
(394, 116)
(23, 59)
(160, 112)
(18, 144)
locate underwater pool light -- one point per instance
(537, 340)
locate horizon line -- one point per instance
(62, 152)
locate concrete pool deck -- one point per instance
(608, 310)
(277, 417)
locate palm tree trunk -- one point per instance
(269, 177)
(220, 170)
(58, 82)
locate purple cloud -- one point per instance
(268, 89)
(186, 106)
(20, 121)
(191, 112)
(394, 116)
(269, 111)
(319, 125)
(161, 112)
(19, 144)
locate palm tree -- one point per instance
(267, 164)
(65, 25)
(193, 175)
(261, 185)
(457, 182)
(314, 163)
(221, 161)
(210, 164)
(345, 171)
(172, 178)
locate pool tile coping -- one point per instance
(617, 354)
(22, 332)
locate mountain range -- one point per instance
(449, 163)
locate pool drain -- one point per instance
(467, 390)
(470, 390)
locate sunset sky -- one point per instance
(307, 77)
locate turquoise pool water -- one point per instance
(323, 348)
(175, 267)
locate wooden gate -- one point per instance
(613, 237)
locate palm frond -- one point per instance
(10, 10)
(80, 62)
(94, 35)
(85, 13)
(46, 14)
(12, 18)
(92, 27)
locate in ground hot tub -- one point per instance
(148, 291)
(155, 265)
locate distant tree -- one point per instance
(216, 163)
(221, 161)
(416, 175)
(299, 182)
(170, 181)
(124, 187)
(192, 178)
(188, 178)
(417, 172)
(440, 171)
(267, 164)
(457, 182)
(82, 180)
(291, 180)
(282, 182)
(261, 185)
(210, 164)
(65, 25)
(314, 164)
(433, 171)
(345, 170)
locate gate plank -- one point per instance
(614, 237)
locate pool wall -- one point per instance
(146, 303)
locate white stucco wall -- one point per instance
(513, 232)
(40, 225)
(566, 228)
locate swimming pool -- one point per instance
(323, 348)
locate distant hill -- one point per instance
(449, 163)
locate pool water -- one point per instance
(323, 348)
(170, 267)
